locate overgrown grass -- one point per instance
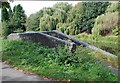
(107, 43)
(57, 63)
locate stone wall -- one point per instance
(44, 39)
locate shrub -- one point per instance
(108, 22)
(105, 23)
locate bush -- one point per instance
(108, 23)
(105, 23)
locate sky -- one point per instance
(34, 6)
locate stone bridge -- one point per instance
(50, 39)
(53, 39)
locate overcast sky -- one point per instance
(34, 6)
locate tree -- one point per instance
(4, 19)
(34, 20)
(5, 15)
(10, 12)
(107, 24)
(61, 11)
(71, 20)
(113, 7)
(5, 4)
(75, 18)
(19, 18)
(83, 15)
(32, 23)
(52, 16)
(5, 29)
(48, 11)
(12, 20)
(47, 23)
(62, 6)
(93, 9)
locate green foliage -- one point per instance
(67, 28)
(48, 11)
(63, 6)
(92, 10)
(115, 31)
(4, 19)
(19, 18)
(5, 4)
(83, 19)
(42, 20)
(113, 7)
(10, 13)
(85, 14)
(57, 63)
(12, 20)
(49, 18)
(61, 11)
(61, 27)
(105, 24)
(5, 30)
(47, 23)
(74, 18)
(55, 16)
(5, 15)
(32, 22)
(71, 20)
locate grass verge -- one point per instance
(57, 63)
